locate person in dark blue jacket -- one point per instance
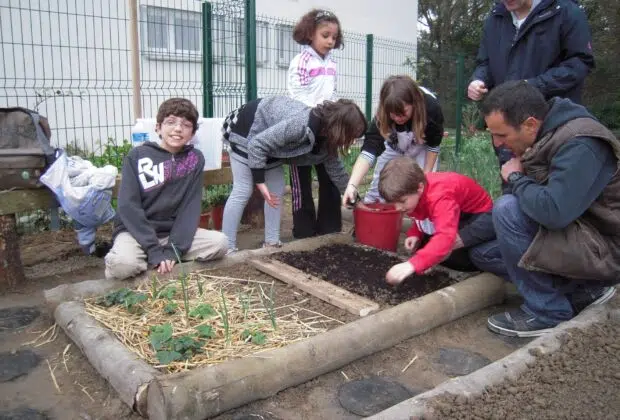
(545, 42)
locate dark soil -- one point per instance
(362, 270)
(579, 381)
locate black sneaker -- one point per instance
(518, 323)
(585, 298)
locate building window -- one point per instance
(262, 43)
(170, 31)
(229, 40)
(287, 48)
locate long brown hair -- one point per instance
(342, 122)
(396, 92)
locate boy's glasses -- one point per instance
(186, 125)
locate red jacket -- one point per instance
(445, 196)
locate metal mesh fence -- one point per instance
(72, 61)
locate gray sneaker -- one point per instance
(595, 295)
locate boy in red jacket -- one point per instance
(458, 207)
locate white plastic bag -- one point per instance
(83, 190)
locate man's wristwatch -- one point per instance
(514, 177)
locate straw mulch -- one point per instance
(242, 314)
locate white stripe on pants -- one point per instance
(127, 258)
(243, 185)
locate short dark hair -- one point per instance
(179, 107)
(342, 123)
(516, 100)
(401, 176)
(305, 28)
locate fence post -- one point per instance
(250, 50)
(207, 61)
(135, 58)
(253, 214)
(369, 61)
(460, 92)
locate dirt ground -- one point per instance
(362, 271)
(65, 386)
(579, 381)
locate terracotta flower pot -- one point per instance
(217, 214)
(204, 220)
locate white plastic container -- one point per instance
(208, 138)
(143, 130)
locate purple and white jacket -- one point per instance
(312, 79)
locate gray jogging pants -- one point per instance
(243, 185)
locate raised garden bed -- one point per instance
(242, 369)
(361, 270)
(207, 317)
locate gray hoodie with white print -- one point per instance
(160, 195)
(283, 128)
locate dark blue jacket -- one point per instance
(552, 49)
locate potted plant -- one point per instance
(216, 197)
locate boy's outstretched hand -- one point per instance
(399, 272)
(269, 197)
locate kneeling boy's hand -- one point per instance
(399, 272)
(411, 243)
(165, 266)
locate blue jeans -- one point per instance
(544, 294)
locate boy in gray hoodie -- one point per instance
(159, 200)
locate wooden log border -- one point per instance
(326, 291)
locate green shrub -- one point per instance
(476, 159)
(608, 114)
(215, 195)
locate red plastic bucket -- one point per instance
(378, 225)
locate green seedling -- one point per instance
(166, 357)
(160, 336)
(154, 291)
(133, 301)
(183, 279)
(199, 282)
(205, 331)
(171, 308)
(167, 293)
(256, 337)
(187, 346)
(126, 297)
(268, 303)
(169, 349)
(244, 299)
(224, 314)
(116, 297)
(203, 311)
